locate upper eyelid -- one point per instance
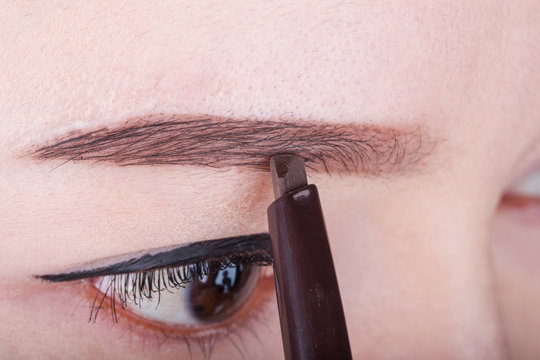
(256, 246)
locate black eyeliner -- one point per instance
(253, 248)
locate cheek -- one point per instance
(516, 261)
(35, 316)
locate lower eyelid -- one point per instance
(165, 335)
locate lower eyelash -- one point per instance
(143, 285)
(259, 316)
(235, 335)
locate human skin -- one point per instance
(418, 274)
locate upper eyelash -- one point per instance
(136, 286)
(183, 255)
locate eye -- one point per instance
(209, 298)
(530, 186)
(515, 251)
(525, 196)
(220, 293)
(166, 296)
(212, 294)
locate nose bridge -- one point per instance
(424, 288)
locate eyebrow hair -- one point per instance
(220, 142)
(247, 249)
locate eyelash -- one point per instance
(138, 286)
(173, 277)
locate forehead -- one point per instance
(70, 65)
(463, 69)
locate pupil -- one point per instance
(221, 292)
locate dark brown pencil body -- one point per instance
(310, 310)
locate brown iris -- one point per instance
(223, 291)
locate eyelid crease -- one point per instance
(253, 249)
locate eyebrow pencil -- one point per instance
(310, 310)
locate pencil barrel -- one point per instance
(310, 309)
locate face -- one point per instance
(436, 257)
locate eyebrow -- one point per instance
(247, 249)
(220, 142)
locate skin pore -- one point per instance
(418, 273)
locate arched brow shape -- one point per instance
(221, 142)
